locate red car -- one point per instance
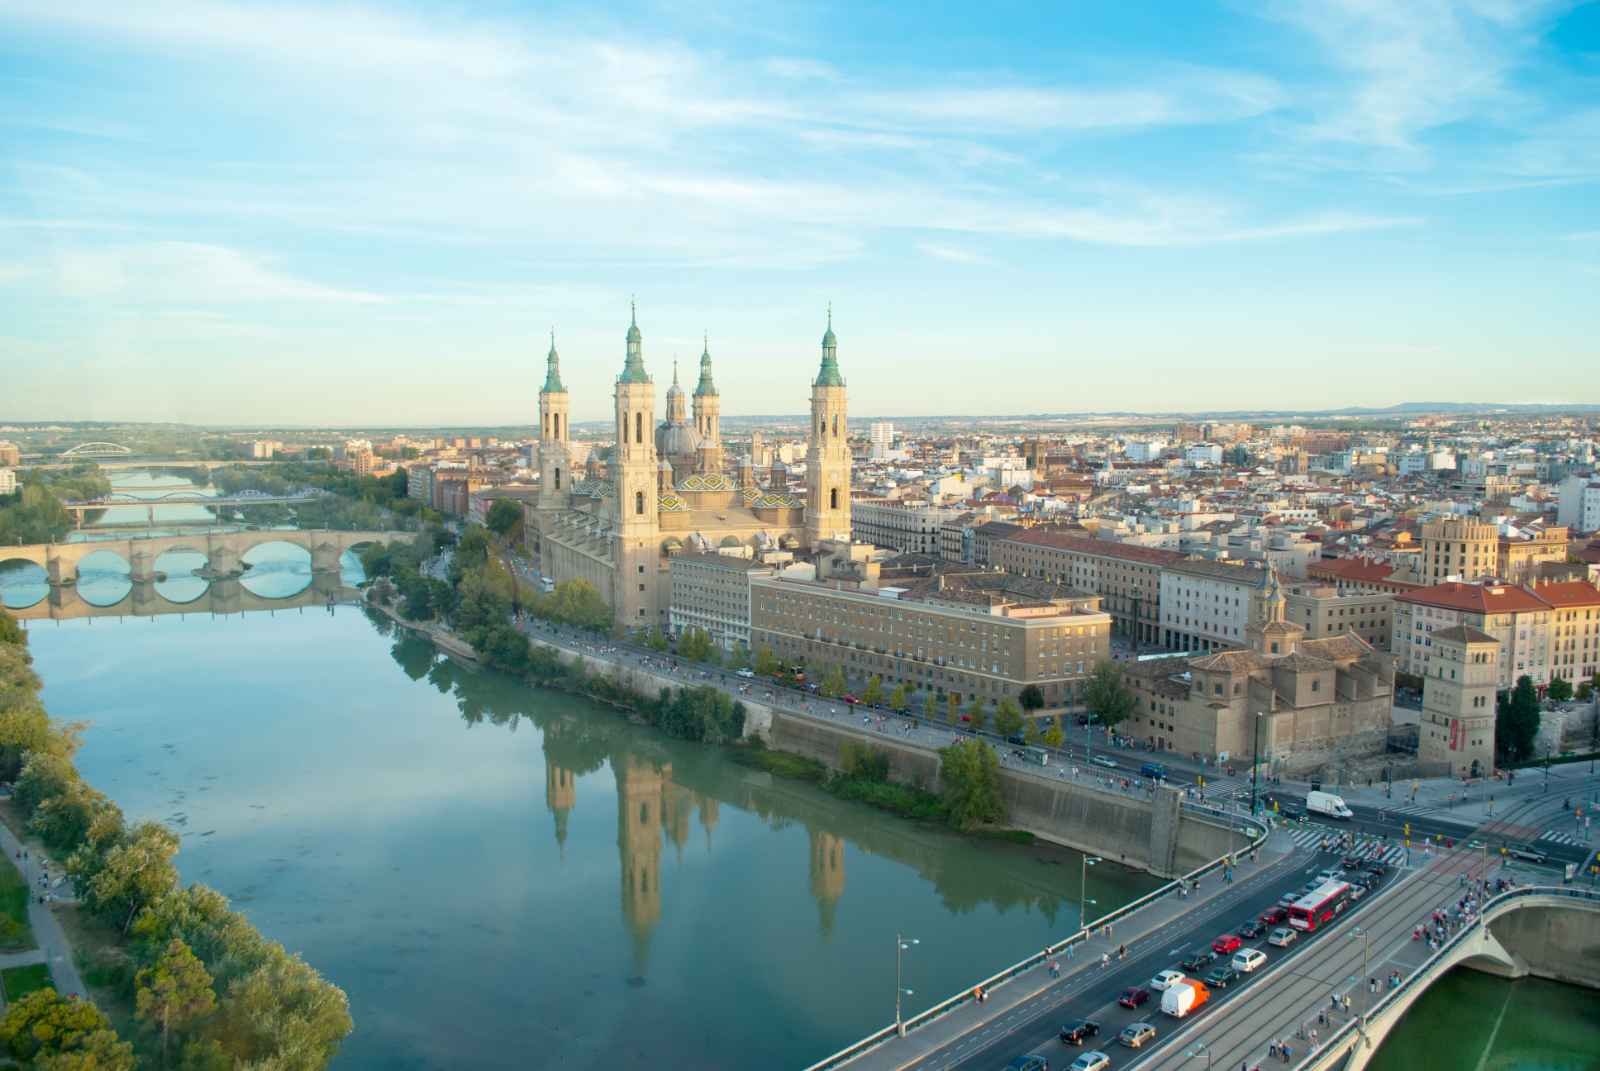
(1226, 945)
(852, 700)
(1272, 916)
(1133, 997)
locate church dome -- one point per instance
(676, 440)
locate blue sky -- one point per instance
(331, 213)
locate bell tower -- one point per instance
(708, 415)
(635, 553)
(554, 463)
(828, 452)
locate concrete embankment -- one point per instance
(1561, 944)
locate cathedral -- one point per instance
(667, 490)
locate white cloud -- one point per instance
(952, 253)
(184, 273)
(801, 69)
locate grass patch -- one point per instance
(15, 933)
(781, 764)
(903, 800)
(20, 981)
(1009, 836)
(107, 969)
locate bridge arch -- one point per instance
(104, 577)
(277, 568)
(176, 571)
(23, 582)
(97, 450)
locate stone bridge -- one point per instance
(220, 597)
(1546, 931)
(224, 552)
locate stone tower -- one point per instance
(633, 473)
(827, 876)
(708, 415)
(555, 477)
(1458, 703)
(560, 796)
(1269, 632)
(828, 452)
(639, 789)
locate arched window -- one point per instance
(638, 427)
(836, 425)
(638, 503)
(822, 426)
(833, 498)
(558, 479)
(557, 419)
(547, 426)
(624, 427)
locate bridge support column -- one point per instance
(1164, 821)
(325, 557)
(58, 572)
(221, 558)
(141, 565)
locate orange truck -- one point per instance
(1185, 997)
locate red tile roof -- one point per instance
(1476, 598)
(1569, 593)
(1103, 547)
(1354, 569)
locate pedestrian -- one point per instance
(1272, 1049)
(1347, 1004)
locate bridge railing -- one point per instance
(1421, 977)
(965, 996)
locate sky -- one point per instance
(238, 213)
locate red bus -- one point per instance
(1319, 906)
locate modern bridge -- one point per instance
(224, 551)
(124, 500)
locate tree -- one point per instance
(1107, 695)
(766, 662)
(695, 644)
(10, 631)
(1516, 724)
(833, 684)
(134, 874)
(930, 706)
(873, 693)
(43, 1025)
(1008, 717)
(1053, 735)
(950, 705)
(283, 1014)
(1031, 731)
(1560, 690)
(504, 517)
(899, 698)
(1031, 698)
(174, 991)
(740, 658)
(977, 713)
(969, 775)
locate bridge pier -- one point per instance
(141, 565)
(222, 560)
(325, 558)
(57, 571)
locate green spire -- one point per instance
(552, 369)
(633, 369)
(706, 388)
(828, 375)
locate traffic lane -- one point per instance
(1094, 996)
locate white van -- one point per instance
(1327, 803)
(1247, 960)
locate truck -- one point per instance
(1326, 803)
(1184, 998)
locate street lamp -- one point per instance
(1196, 1049)
(1088, 741)
(1366, 948)
(1255, 762)
(901, 943)
(1083, 889)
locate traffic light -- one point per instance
(1408, 829)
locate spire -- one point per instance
(828, 375)
(705, 388)
(552, 369)
(633, 369)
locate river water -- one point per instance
(506, 877)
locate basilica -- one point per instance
(667, 488)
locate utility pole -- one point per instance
(1255, 762)
(1086, 861)
(901, 943)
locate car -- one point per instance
(1527, 853)
(1091, 1061)
(1246, 960)
(1134, 996)
(1377, 869)
(1351, 862)
(1282, 937)
(1135, 1035)
(1274, 915)
(1079, 1031)
(1250, 929)
(1330, 873)
(747, 674)
(1311, 886)
(1219, 976)
(1289, 899)
(1199, 961)
(1017, 738)
(1165, 980)
(1358, 890)
(1029, 1063)
(1108, 763)
(851, 700)
(1226, 944)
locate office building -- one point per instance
(1127, 577)
(712, 592)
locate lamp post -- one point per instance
(901, 943)
(1366, 949)
(1196, 1049)
(1088, 740)
(1083, 890)
(1255, 762)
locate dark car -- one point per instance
(1251, 930)
(1076, 1033)
(1134, 996)
(1274, 915)
(1377, 869)
(1016, 738)
(1029, 1063)
(1198, 961)
(1219, 976)
(1351, 862)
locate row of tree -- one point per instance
(200, 978)
(34, 514)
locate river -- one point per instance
(507, 877)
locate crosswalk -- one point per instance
(1387, 852)
(1563, 838)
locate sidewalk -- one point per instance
(53, 946)
(1276, 854)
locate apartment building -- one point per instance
(1207, 605)
(1471, 550)
(1325, 610)
(1125, 576)
(1518, 620)
(712, 592)
(940, 629)
(907, 527)
(1574, 629)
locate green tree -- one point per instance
(134, 874)
(1560, 690)
(1008, 717)
(10, 631)
(1032, 731)
(766, 662)
(930, 706)
(899, 699)
(1031, 698)
(969, 776)
(504, 517)
(873, 693)
(1107, 695)
(174, 992)
(1517, 721)
(740, 656)
(1053, 735)
(695, 644)
(833, 684)
(951, 703)
(282, 1014)
(977, 713)
(43, 1026)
